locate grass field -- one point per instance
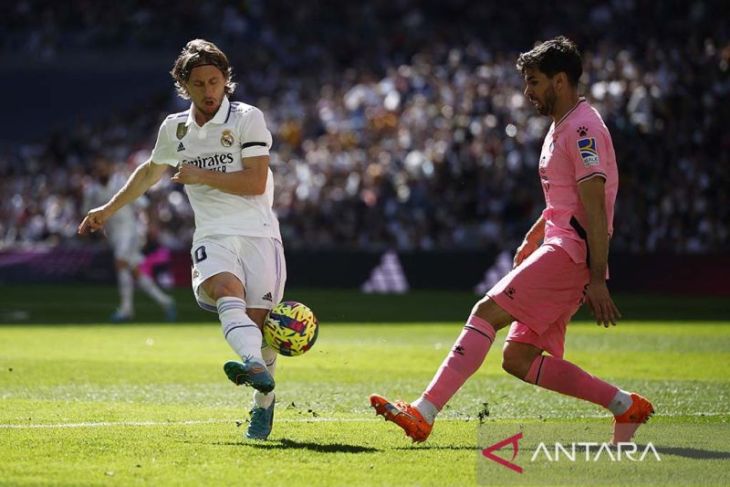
(148, 404)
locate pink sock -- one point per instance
(464, 359)
(566, 378)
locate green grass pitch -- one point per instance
(149, 404)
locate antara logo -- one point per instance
(572, 452)
(512, 440)
(575, 451)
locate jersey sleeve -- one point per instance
(164, 151)
(589, 153)
(255, 136)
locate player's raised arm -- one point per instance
(144, 177)
(592, 196)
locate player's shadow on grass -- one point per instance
(436, 447)
(285, 444)
(695, 453)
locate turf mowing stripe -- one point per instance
(291, 420)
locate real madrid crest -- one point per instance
(227, 138)
(182, 129)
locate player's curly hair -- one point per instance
(552, 57)
(200, 52)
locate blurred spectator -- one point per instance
(402, 124)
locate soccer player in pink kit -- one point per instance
(562, 261)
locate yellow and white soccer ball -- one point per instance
(291, 328)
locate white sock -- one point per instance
(148, 286)
(126, 291)
(620, 403)
(426, 408)
(260, 399)
(241, 333)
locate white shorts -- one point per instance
(127, 247)
(258, 262)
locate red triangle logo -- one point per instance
(512, 440)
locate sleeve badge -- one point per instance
(182, 129)
(588, 151)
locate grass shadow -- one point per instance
(695, 453)
(285, 444)
(436, 447)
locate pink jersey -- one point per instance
(575, 149)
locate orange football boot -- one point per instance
(626, 424)
(404, 415)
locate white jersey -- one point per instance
(236, 131)
(123, 223)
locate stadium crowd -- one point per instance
(402, 124)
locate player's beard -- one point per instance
(209, 109)
(548, 106)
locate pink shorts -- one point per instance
(542, 294)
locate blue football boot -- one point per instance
(262, 420)
(250, 373)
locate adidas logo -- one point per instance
(267, 297)
(180, 147)
(387, 277)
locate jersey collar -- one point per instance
(221, 116)
(569, 112)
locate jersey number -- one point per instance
(200, 254)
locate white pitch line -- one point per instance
(103, 424)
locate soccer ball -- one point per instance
(291, 328)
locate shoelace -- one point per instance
(400, 406)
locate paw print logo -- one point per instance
(582, 131)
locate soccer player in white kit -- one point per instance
(221, 152)
(123, 233)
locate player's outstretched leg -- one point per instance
(630, 410)
(404, 415)
(465, 358)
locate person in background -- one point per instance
(124, 233)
